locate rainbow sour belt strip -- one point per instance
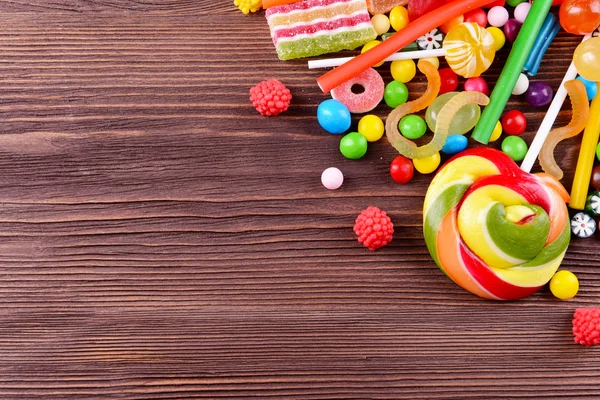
(496, 231)
(313, 27)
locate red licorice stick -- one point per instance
(399, 40)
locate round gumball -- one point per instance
(522, 85)
(399, 17)
(564, 285)
(403, 70)
(512, 29)
(477, 85)
(368, 46)
(514, 147)
(401, 169)
(590, 87)
(498, 35)
(395, 94)
(514, 122)
(478, 16)
(412, 127)
(332, 178)
(455, 144)
(580, 17)
(595, 179)
(333, 116)
(427, 165)
(353, 145)
(521, 11)
(497, 132)
(449, 80)
(587, 59)
(539, 94)
(371, 127)
(497, 16)
(381, 23)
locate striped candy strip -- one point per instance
(496, 231)
(313, 27)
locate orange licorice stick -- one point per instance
(396, 42)
(272, 3)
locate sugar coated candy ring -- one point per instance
(359, 103)
(470, 49)
(581, 114)
(496, 231)
(433, 88)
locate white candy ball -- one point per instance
(497, 16)
(522, 85)
(332, 178)
(521, 11)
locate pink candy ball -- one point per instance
(332, 178)
(521, 11)
(497, 16)
(477, 85)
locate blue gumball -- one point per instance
(590, 87)
(333, 116)
(455, 144)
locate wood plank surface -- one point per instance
(161, 240)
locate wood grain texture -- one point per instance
(161, 240)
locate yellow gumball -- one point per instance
(403, 70)
(564, 285)
(381, 23)
(498, 35)
(496, 132)
(369, 46)
(371, 127)
(398, 17)
(434, 60)
(587, 59)
(428, 164)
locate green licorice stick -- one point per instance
(513, 67)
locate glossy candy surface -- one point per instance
(403, 70)
(427, 165)
(353, 145)
(514, 122)
(512, 29)
(539, 94)
(587, 59)
(395, 94)
(521, 11)
(333, 116)
(417, 8)
(477, 84)
(592, 205)
(564, 285)
(455, 144)
(497, 132)
(381, 23)
(495, 230)
(470, 49)
(497, 16)
(478, 16)
(591, 88)
(498, 35)
(448, 80)
(332, 178)
(371, 127)
(583, 226)
(580, 17)
(401, 169)
(522, 85)
(412, 127)
(398, 18)
(595, 178)
(514, 147)
(462, 122)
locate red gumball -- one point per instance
(514, 122)
(418, 8)
(580, 17)
(449, 80)
(478, 16)
(401, 169)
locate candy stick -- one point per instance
(510, 73)
(549, 31)
(272, 3)
(548, 121)
(583, 172)
(407, 55)
(400, 39)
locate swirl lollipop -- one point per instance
(496, 231)
(468, 48)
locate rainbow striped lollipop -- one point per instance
(496, 231)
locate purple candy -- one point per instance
(539, 94)
(511, 29)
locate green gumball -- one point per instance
(353, 145)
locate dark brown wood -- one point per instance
(161, 240)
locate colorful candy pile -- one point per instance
(525, 226)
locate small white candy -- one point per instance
(332, 178)
(521, 11)
(498, 16)
(522, 85)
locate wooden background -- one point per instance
(161, 240)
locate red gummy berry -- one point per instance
(586, 326)
(270, 97)
(374, 228)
